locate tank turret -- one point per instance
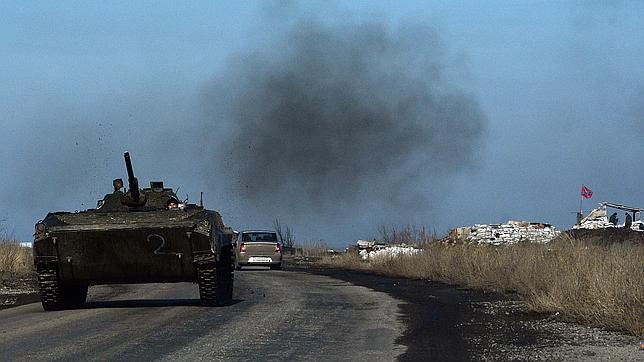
(139, 199)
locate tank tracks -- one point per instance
(53, 295)
(49, 288)
(216, 280)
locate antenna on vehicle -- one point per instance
(201, 199)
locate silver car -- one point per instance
(259, 248)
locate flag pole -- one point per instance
(580, 215)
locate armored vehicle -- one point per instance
(134, 236)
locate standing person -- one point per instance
(628, 222)
(613, 219)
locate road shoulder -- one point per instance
(18, 291)
(449, 323)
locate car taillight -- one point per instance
(278, 248)
(242, 248)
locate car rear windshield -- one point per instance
(268, 237)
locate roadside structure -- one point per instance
(509, 233)
(598, 218)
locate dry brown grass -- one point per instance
(599, 285)
(15, 260)
(317, 248)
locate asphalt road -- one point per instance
(277, 315)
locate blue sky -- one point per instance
(561, 85)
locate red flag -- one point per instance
(586, 192)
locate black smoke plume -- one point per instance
(324, 116)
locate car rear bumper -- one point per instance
(260, 264)
(250, 260)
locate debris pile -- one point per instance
(600, 223)
(509, 233)
(373, 249)
(388, 251)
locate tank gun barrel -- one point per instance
(133, 183)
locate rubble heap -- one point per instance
(388, 251)
(599, 223)
(373, 249)
(509, 233)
